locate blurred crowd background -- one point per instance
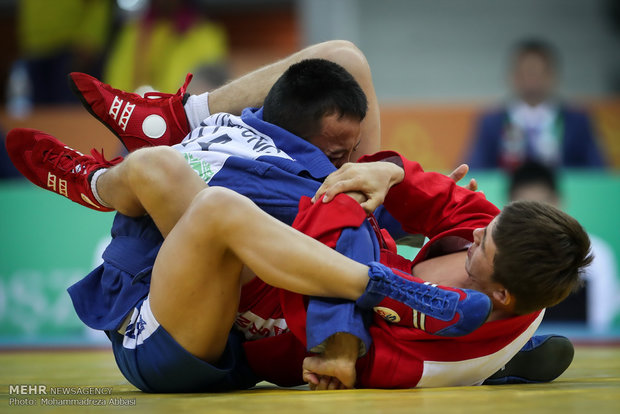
(527, 92)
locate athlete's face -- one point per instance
(338, 138)
(479, 263)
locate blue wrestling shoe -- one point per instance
(406, 300)
(542, 359)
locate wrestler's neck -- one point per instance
(449, 270)
(500, 313)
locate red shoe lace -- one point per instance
(180, 92)
(67, 162)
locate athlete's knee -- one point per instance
(156, 164)
(221, 209)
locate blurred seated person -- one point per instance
(57, 37)
(598, 303)
(157, 49)
(534, 124)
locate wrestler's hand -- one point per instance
(335, 368)
(372, 179)
(459, 173)
(360, 198)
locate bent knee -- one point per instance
(220, 206)
(157, 163)
(221, 199)
(155, 156)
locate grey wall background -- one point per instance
(447, 50)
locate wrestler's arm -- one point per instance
(425, 203)
(251, 89)
(336, 328)
(430, 203)
(342, 226)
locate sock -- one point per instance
(93, 186)
(197, 109)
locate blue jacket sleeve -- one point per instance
(325, 316)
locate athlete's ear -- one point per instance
(503, 296)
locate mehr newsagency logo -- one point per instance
(44, 395)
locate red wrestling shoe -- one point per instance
(52, 165)
(406, 300)
(156, 119)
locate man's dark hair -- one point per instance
(537, 47)
(532, 172)
(541, 254)
(310, 90)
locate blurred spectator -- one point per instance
(599, 300)
(534, 124)
(55, 38)
(158, 48)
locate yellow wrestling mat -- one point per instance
(591, 385)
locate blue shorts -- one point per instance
(154, 362)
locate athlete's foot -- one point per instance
(406, 300)
(542, 359)
(51, 165)
(156, 119)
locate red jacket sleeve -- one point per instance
(322, 222)
(430, 203)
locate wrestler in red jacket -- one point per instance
(401, 356)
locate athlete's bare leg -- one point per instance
(251, 89)
(195, 282)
